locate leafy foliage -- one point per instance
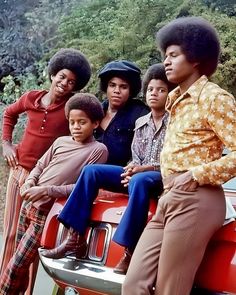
(27, 32)
(17, 49)
(15, 87)
(226, 27)
(225, 6)
(107, 30)
(104, 30)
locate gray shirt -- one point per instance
(60, 166)
(148, 141)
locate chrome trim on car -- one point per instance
(95, 233)
(61, 234)
(78, 273)
(70, 291)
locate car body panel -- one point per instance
(93, 275)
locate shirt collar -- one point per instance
(38, 99)
(57, 103)
(146, 119)
(193, 91)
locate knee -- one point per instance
(138, 184)
(90, 168)
(93, 174)
(137, 179)
(125, 288)
(89, 171)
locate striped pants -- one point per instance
(11, 216)
(15, 279)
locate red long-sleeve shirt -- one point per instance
(43, 126)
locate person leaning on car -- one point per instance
(202, 121)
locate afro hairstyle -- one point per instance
(197, 38)
(157, 72)
(73, 60)
(87, 103)
(122, 69)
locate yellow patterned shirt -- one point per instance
(202, 122)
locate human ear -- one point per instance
(196, 64)
(96, 124)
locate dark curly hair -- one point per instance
(87, 103)
(123, 69)
(157, 72)
(197, 38)
(73, 60)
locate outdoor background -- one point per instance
(31, 31)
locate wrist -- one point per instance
(6, 141)
(30, 183)
(156, 168)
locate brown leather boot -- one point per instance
(72, 245)
(123, 264)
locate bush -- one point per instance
(16, 86)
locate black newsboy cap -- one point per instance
(124, 69)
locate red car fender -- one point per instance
(217, 271)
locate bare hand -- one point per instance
(35, 193)
(9, 154)
(130, 170)
(25, 187)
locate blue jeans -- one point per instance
(77, 210)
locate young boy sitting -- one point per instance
(53, 177)
(141, 178)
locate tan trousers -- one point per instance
(172, 245)
(11, 216)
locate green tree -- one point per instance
(225, 6)
(16, 51)
(106, 30)
(226, 28)
(110, 29)
(27, 32)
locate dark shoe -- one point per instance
(124, 262)
(72, 245)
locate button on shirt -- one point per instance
(148, 141)
(42, 128)
(202, 121)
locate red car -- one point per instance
(93, 275)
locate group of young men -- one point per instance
(176, 146)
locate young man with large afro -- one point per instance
(73, 60)
(69, 71)
(201, 124)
